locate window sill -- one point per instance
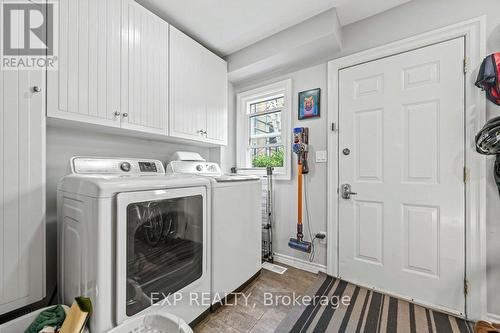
(263, 174)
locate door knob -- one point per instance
(125, 115)
(346, 191)
(37, 89)
(117, 113)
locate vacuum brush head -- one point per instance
(300, 245)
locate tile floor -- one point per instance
(254, 316)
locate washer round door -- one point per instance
(161, 246)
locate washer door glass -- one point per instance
(164, 249)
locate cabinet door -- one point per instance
(144, 70)
(87, 85)
(216, 99)
(22, 188)
(187, 95)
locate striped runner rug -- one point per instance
(367, 311)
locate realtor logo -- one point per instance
(28, 35)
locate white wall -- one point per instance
(63, 143)
(415, 17)
(286, 191)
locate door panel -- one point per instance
(22, 188)
(86, 87)
(187, 90)
(216, 99)
(163, 243)
(144, 70)
(402, 118)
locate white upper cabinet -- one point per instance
(122, 66)
(216, 99)
(144, 70)
(187, 98)
(22, 188)
(87, 85)
(198, 91)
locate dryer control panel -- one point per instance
(116, 166)
(195, 167)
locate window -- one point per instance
(263, 129)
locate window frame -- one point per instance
(244, 99)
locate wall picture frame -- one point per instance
(309, 104)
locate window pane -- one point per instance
(266, 124)
(265, 141)
(267, 157)
(267, 105)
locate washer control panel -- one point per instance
(94, 165)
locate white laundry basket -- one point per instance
(153, 323)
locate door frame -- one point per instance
(473, 31)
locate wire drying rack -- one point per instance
(268, 219)
(267, 213)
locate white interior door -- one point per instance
(402, 119)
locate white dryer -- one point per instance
(236, 222)
(133, 240)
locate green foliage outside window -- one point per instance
(274, 160)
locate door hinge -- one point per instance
(466, 66)
(466, 287)
(466, 175)
(334, 127)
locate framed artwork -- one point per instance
(309, 104)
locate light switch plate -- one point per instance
(321, 156)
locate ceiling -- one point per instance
(226, 26)
(356, 10)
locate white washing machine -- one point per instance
(236, 222)
(133, 240)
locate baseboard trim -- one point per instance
(494, 318)
(299, 263)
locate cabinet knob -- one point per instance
(36, 89)
(125, 115)
(117, 113)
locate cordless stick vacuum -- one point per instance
(300, 141)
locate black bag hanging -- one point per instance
(487, 78)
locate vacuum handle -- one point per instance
(299, 195)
